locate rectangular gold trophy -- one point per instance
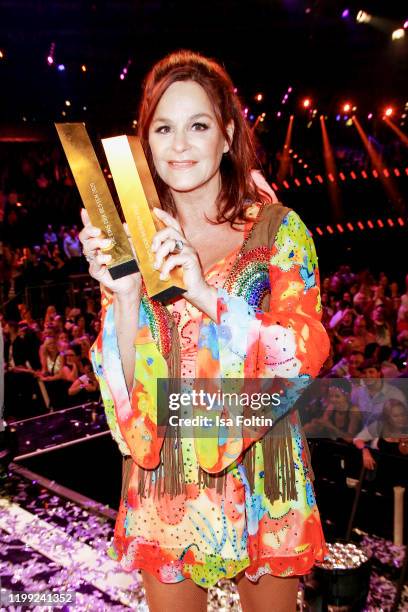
(96, 196)
(138, 196)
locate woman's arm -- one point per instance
(286, 342)
(126, 309)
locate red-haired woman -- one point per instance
(195, 509)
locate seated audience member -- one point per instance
(388, 368)
(382, 329)
(85, 387)
(341, 420)
(388, 433)
(373, 391)
(361, 332)
(51, 358)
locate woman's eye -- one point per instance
(199, 126)
(163, 129)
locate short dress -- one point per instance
(207, 536)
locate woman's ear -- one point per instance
(230, 131)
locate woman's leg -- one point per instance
(269, 593)
(185, 595)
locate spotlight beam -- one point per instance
(403, 137)
(285, 158)
(388, 183)
(331, 170)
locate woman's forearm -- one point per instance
(126, 309)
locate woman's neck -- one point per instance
(194, 206)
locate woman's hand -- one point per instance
(92, 244)
(198, 292)
(368, 459)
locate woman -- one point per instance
(340, 419)
(388, 434)
(195, 511)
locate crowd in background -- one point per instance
(361, 397)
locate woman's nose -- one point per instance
(180, 141)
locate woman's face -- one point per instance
(398, 418)
(185, 139)
(337, 398)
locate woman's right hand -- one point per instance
(368, 460)
(92, 245)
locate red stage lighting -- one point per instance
(330, 229)
(360, 225)
(340, 228)
(350, 227)
(370, 224)
(380, 223)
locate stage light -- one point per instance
(397, 172)
(400, 221)
(259, 97)
(398, 34)
(275, 187)
(363, 17)
(364, 174)
(84, 108)
(235, 90)
(390, 222)
(305, 166)
(386, 173)
(338, 117)
(251, 117)
(122, 77)
(345, 13)
(370, 116)
(308, 180)
(279, 114)
(370, 224)
(353, 175)
(83, 68)
(340, 228)
(319, 178)
(347, 108)
(67, 103)
(380, 223)
(2, 54)
(375, 174)
(246, 109)
(360, 225)
(290, 89)
(307, 102)
(389, 111)
(330, 229)
(297, 182)
(349, 122)
(286, 184)
(319, 231)
(350, 227)
(61, 67)
(405, 25)
(341, 175)
(50, 60)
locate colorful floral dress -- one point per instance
(202, 534)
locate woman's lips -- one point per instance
(181, 165)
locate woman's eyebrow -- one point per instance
(195, 116)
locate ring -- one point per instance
(178, 246)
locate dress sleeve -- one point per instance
(287, 342)
(131, 419)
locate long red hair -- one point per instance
(237, 185)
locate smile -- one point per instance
(182, 165)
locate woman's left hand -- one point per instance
(163, 245)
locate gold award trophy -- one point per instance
(138, 196)
(96, 196)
